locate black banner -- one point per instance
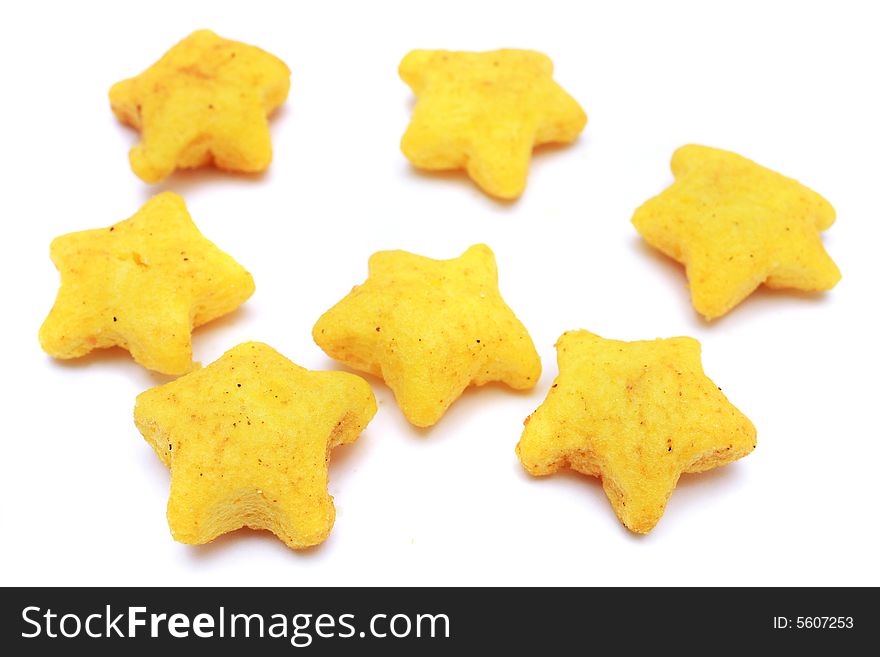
(434, 621)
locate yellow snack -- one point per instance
(485, 112)
(141, 284)
(430, 328)
(248, 442)
(636, 415)
(206, 101)
(735, 225)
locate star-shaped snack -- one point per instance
(205, 101)
(430, 328)
(637, 415)
(735, 225)
(142, 285)
(485, 112)
(248, 441)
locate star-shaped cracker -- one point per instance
(736, 225)
(142, 285)
(637, 415)
(248, 441)
(485, 112)
(430, 328)
(206, 101)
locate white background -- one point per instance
(793, 86)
